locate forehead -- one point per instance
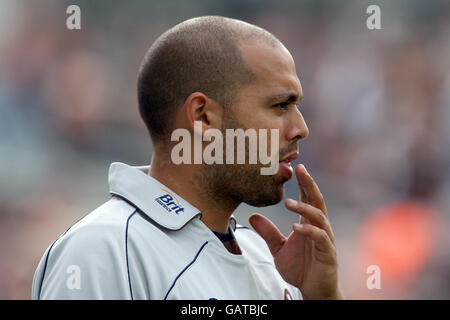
(274, 69)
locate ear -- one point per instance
(199, 107)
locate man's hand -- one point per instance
(307, 257)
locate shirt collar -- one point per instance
(154, 199)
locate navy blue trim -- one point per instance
(48, 254)
(45, 268)
(185, 268)
(126, 252)
(224, 237)
(243, 227)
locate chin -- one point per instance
(268, 198)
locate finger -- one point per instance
(322, 243)
(268, 231)
(309, 191)
(311, 214)
(303, 195)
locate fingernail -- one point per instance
(298, 226)
(291, 202)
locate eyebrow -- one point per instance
(289, 96)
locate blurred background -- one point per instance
(377, 103)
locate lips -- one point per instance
(290, 157)
(286, 169)
(285, 165)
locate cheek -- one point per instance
(251, 114)
(253, 118)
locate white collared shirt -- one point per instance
(147, 242)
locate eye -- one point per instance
(282, 106)
(285, 105)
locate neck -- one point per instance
(186, 180)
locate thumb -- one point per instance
(268, 231)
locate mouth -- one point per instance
(285, 165)
(290, 157)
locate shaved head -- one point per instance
(198, 55)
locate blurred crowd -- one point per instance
(377, 103)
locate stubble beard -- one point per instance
(232, 184)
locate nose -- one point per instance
(297, 129)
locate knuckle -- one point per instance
(321, 217)
(323, 236)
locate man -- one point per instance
(168, 230)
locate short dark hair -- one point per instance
(200, 54)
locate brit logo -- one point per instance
(169, 202)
